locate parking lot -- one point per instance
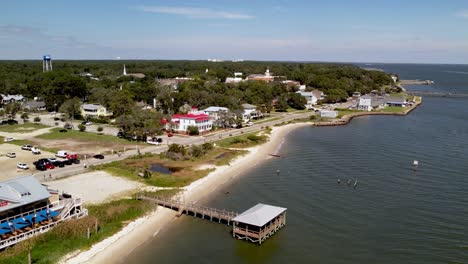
(8, 165)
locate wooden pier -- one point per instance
(254, 225)
(203, 212)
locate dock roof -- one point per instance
(259, 215)
(21, 191)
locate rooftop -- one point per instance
(215, 109)
(249, 106)
(91, 106)
(21, 191)
(197, 117)
(259, 215)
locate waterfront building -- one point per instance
(258, 223)
(13, 98)
(396, 101)
(181, 122)
(28, 208)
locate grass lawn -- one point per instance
(21, 128)
(267, 120)
(72, 235)
(343, 112)
(243, 141)
(183, 172)
(86, 136)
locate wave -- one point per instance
(457, 72)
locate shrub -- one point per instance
(207, 147)
(100, 129)
(37, 119)
(193, 130)
(81, 127)
(176, 148)
(196, 151)
(254, 138)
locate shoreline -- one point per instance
(132, 236)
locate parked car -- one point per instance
(50, 166)
(41, 162)
(58, 163)
(26, 147)
(68, 126)
(120, 134)
(86, 123)
(61, 154)
(250, 124)
(98, 156)
(8, 139)
(52, 159)
(36, 151)
(41, 167)
(9, 122)
(22, 166)
(11, 155)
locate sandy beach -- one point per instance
(114, 249)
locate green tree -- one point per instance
(71, 107)
(81, 127)
(282, 103)
(37, 119)
(25, 117)
(100, 129)
(193, 130)
(11, 110)
(122, 103)
(297, 101)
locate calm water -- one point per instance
(395, 215)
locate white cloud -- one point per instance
(463, 13)
(194, 12)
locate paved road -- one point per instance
(185, 140)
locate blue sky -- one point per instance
(414, 31)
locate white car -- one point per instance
(22, 166)
(88, 123)
(11, 155)
(52, 159)
(35, 151)
(8, 139)
(250, 124)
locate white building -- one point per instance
(365, 103)
(310, 97)
(328, 113)
(181, 122)
(250, 112)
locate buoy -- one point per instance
(415, 163)
(349, 182)
(355, 184)
(277, 171)
(339, 181)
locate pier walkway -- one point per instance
(203, 212)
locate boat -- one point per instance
(275, 155)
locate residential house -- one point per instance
(94, 110)
(250, 112)
(219, 115)
(14, 98)
(34, 106)
(318, 94)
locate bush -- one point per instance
(100, 129)
(196, 151)
(176, 148)
(81, 127)
(254, 138)
(207, 147)
(193, 130)
(37, 119)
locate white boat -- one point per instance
(415, 163)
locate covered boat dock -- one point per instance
(259, 223)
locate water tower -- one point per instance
(46, 63)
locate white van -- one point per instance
(61, 154)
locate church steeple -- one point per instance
(125, 71)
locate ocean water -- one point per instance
(395, 215)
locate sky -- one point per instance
(416, 31)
